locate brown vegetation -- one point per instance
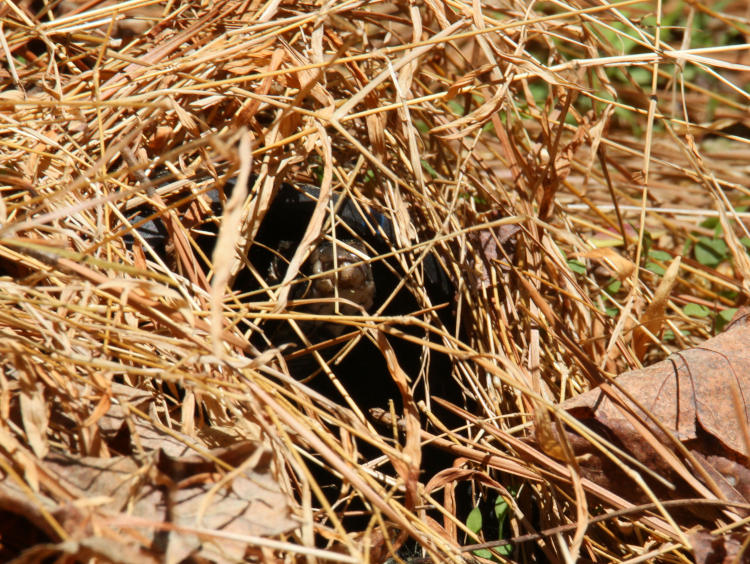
(562, 162)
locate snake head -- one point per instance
(340, 271)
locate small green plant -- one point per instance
(432, 172)
(696, 310)
(724, 317)
(576, 266)
(613, 286)
(475, 520)
(710, 251)
(655, 267)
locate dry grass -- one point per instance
(456, 120)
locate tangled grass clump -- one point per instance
(551, 158)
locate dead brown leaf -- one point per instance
(718, 549)
(162, 503)
(681, 407)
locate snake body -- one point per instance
(337, 276)
(350, 270)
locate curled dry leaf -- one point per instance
(621, 267)
(654, 317)
(494, 246)
(35, 415)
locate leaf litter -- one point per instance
(146, 412)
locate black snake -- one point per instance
(338, 275)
